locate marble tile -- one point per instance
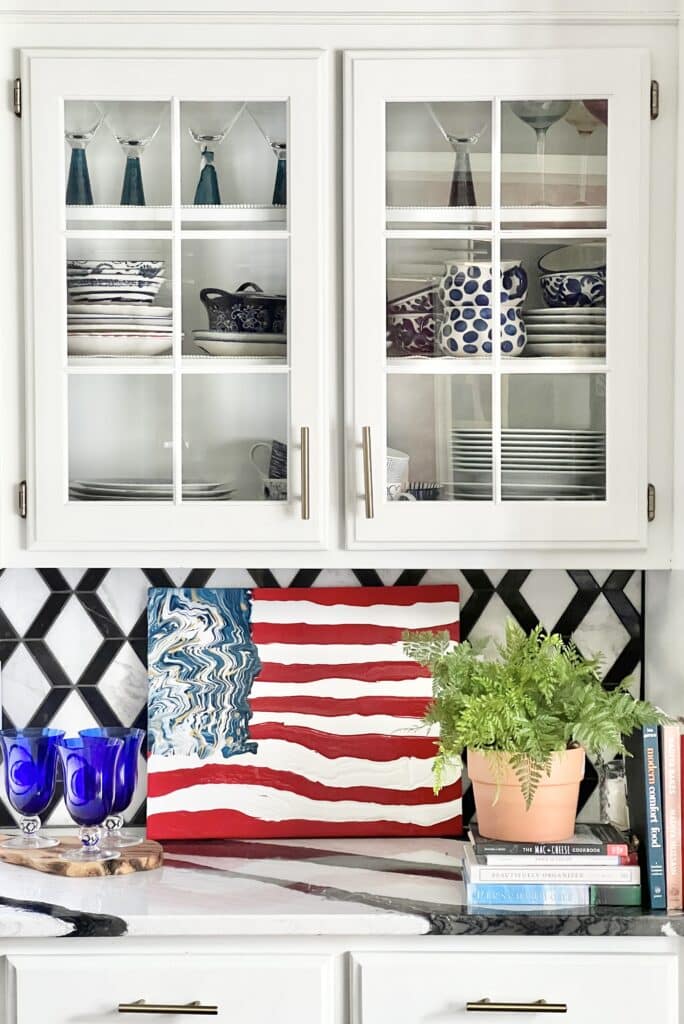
(124, 594)
(73, 638)
(22, 594)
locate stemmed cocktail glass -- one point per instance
(540, 115)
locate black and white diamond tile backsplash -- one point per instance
(73, 642)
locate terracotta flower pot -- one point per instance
(551, 817)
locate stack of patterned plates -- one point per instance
(234, 343)
(110, 311)
(579, 331)
(146, 490)
(536, 465)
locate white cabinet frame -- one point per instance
(372, 78)
(50, 76)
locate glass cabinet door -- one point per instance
(497, 318)
(176, 300)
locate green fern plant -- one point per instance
(539, 696)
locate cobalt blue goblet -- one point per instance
(30, 759)
(124, 782)
(89, 767)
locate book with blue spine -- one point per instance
(646, 809)
(493, 895)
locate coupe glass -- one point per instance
(540, 115)
(134, 126)
(272, 124)
(82, 118)
(30, 758)
(599, 108)
(461, 125)
(585, 124)
(217, 122)
(89, 767)
(124, 782)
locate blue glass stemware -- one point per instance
(30, 760)
(124, 782)
(89, 767)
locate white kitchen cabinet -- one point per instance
(140, 427)
(490, 437)
(255, 989)
(434, 988)
(539, 445)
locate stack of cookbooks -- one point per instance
(596, 867)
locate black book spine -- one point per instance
(645, 809)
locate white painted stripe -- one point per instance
(421, 615)
(331, 654)
(349, 725)
(350, 878)
(344, 688)
(269, 804)
(401, 773)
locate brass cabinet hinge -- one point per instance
(651, 502)
(22, 499)
(655, 99)
(16, 97)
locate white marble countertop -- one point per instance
(300, 887)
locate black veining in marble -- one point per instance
(83, 925)
(441, 919)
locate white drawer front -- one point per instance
(248, 989)
(435, 988)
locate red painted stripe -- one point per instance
(290, 782)
(400, 707)
(366, 672)
(369, 747)
(224, 824)
(307, 633)
(359, 597)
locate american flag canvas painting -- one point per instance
(284, 713)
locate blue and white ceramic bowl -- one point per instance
(574, 275)
(470, 283)
(420, 301)
(574, 288)
(411, 334)
(467, 331)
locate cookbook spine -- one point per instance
(672, 821)
(645, 809)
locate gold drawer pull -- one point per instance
(196, 1008)
(540, 1006)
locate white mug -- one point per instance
(397, 468)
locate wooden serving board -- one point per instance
(144, 857)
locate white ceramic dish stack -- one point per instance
(579, 331)
(147, 490)
(539, 464)
(235, 343)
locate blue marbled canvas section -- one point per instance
(201, 665)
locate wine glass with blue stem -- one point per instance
(271, 120)
(89, 767)
(134, 125)
(125, 781)
(82, 119)
(30, 763)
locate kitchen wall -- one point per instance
(73, 641)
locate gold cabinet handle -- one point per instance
(306, 475)
(368, 472)
(493, 1006)
(195, 1008)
